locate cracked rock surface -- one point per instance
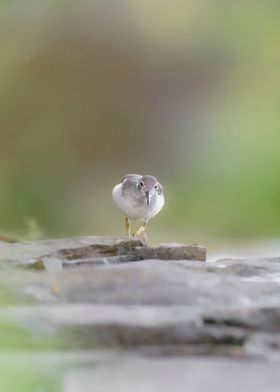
(156, 313)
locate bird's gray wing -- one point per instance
(132, 177)
(160, 189)
(130, 181)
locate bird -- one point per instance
(139, 198)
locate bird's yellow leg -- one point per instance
(139, 231)
(127, 227)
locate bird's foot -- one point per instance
(141, 230)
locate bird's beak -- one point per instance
(147, 197)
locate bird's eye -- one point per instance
(141, 183)
(155, 186)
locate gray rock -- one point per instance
(264, 345)
(157, 307)
(165, 375)
(259, 318)
(94, 251)
(155, 282)
(91, 326)
(106, 300)
(173, 251)
(246, 268)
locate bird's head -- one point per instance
(149, 185)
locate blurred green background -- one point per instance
(188, 91)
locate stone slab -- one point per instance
(165, 375)
(93, 251)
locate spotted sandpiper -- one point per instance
(139, 198)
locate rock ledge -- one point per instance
(95, 250)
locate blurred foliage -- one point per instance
(22, 378)
(185, 90)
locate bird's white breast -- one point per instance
(131, 207)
